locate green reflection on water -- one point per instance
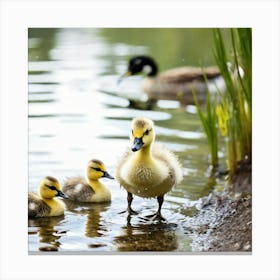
(170, 47)
(41, 41)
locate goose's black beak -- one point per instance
(61, 194)
(107, 175)
(137, 144)
(126, 74)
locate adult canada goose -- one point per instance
(175, 84)
(89, 189)
(45, 204)
(147, 170)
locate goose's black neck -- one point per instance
(143, 64)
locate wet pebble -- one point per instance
(247, 247)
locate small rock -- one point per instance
(247, 247)
(48, 249)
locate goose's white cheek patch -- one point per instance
(147, 69)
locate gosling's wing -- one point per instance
(188, 74)
(160, 152)
(78, 189)
(37, 207)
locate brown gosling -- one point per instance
(45, 204)
(89, 189)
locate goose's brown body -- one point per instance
(78, 189)
(37, 207)
(178, 83)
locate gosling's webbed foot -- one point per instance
(129, 211)
(156, 217)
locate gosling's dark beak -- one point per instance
(126, 74)
(107, 175)
(137, 144)
(60, 193)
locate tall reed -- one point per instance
(238, 95)
(234, 111)
(209, 123)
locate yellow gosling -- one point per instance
(45, 204)
(148, 170)
(89, 189)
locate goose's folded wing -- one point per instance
(160, 152)
(188, 74)
(37, 207)
(77, 189)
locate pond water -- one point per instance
(73, 119)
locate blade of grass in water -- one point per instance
(233, 114)
(209, 123)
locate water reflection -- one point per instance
(47, 231)
(39, 46)
(147, 237)
(94, 225)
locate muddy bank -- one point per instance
(224, 219)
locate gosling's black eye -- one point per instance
(147, 132)
(52, 188)
(96, 169)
